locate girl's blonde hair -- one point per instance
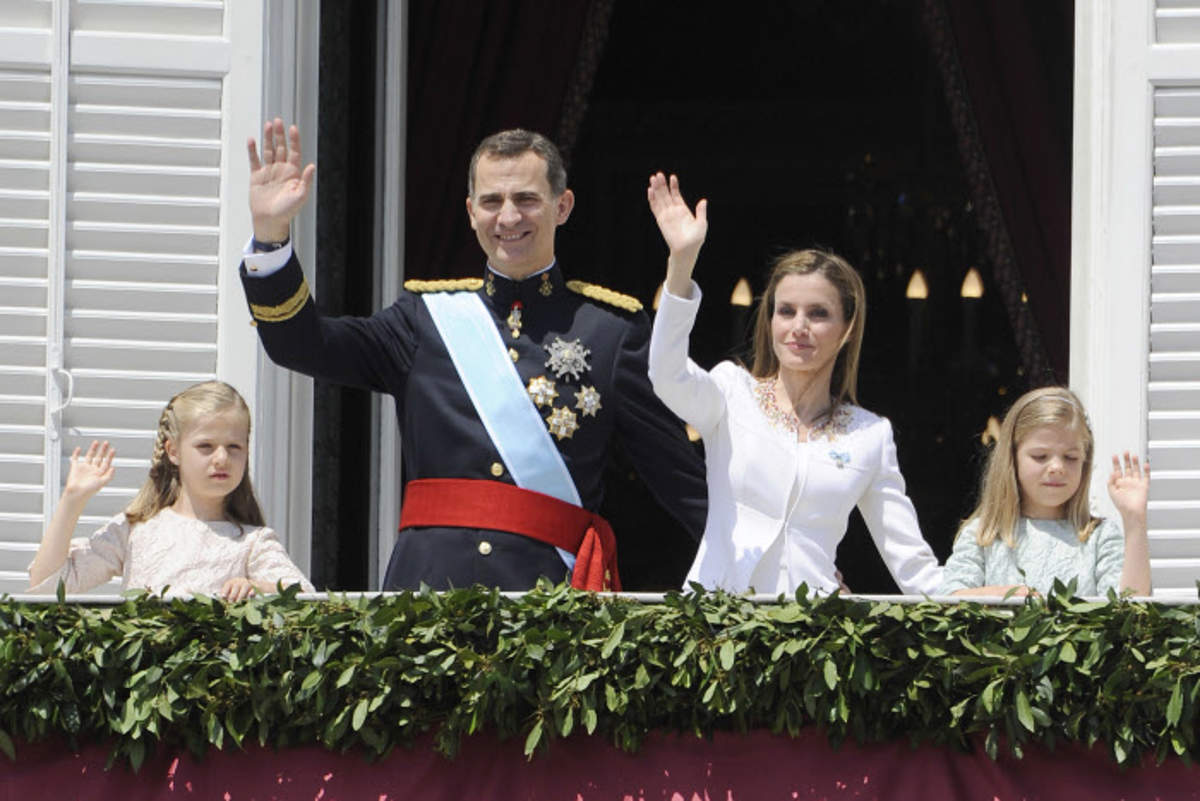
(999, 508)
(162, 485)
(843, 383)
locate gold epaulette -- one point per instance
(605, 295)
(284, 311)
(445, 285)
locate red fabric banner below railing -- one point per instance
(729, 767)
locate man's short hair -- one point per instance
(516, 142)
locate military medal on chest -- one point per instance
(567, 358)
(542, 391)
(562, 423)
(513, 321)
(587, 401)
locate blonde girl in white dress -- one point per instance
(194, 528)
(789, 453)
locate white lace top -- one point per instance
(188, 556)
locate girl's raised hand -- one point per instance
(90, 472)
(683, 231)
(1129, 486)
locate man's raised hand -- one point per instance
(278, 184)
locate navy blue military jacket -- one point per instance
(398, 351)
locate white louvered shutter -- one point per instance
(110, 239)
(142, 258)
(25, 148)
(1174, 386)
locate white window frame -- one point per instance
(390, 94)
(1110, 225)
(1118, 66)
(282, 81)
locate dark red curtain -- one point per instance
(1007, 70)
(475, 68)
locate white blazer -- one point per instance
(778, 507)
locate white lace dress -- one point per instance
(1045, 550)
(188, 556)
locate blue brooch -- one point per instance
(841, 457)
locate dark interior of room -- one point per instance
(817, 123)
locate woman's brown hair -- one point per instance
(853, 297)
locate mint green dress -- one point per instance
(1045, 550)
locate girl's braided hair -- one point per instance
(183, 411)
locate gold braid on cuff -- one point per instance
(284, 311)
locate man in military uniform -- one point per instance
(510, 387)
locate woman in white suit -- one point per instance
(789, 452)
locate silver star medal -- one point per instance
(567, 358)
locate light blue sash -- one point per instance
(490, 378)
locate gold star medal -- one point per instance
(567, 358)
(587, 400)
(546, 288)
(542, 390)
(562, 423)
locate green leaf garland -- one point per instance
(373, 672)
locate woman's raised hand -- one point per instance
(683, 231)
(1129, 486)
(279, 183)
(89, 474)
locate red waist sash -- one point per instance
(475, 503)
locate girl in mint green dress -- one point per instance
(1033, 524)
